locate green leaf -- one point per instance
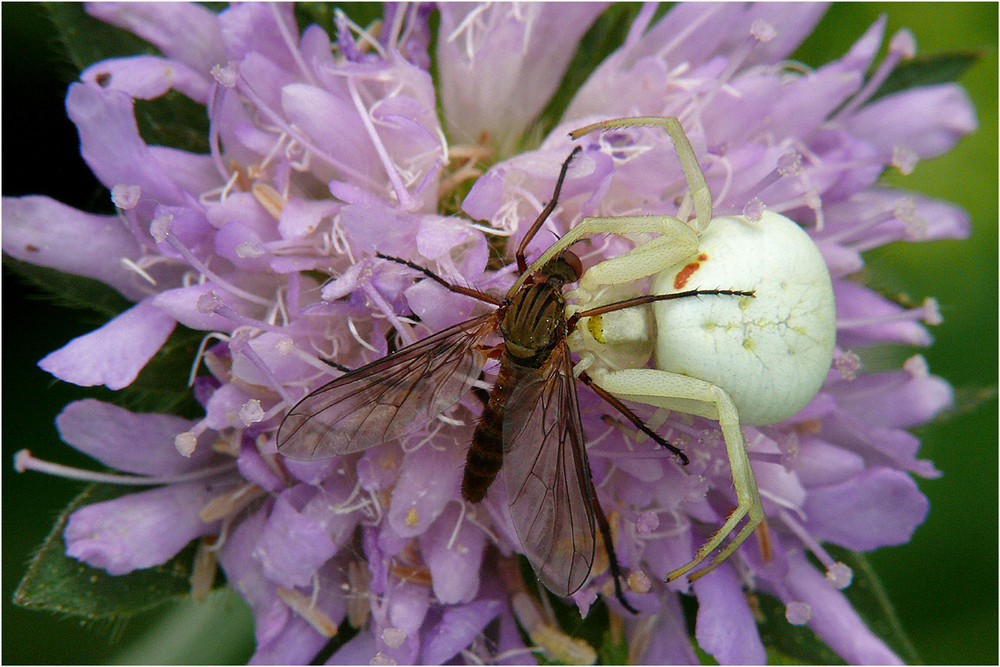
(786, 643)
(172, 120)
(322, 14)
(611, 652)
(793, 644)
(869, 599)
(69, 291)
(87, 40)
(162, 386)
(56, 582)
(926, 70)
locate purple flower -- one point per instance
(322, 152)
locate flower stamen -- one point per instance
(230, 503)
(305, 607)
(837, 573)
(25, 460)
(406, 201)
(929, 313)
(128, 263)
(902, 46)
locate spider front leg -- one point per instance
(677, 241)
(700, 195)
(698, 397)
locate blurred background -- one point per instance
(943, 584)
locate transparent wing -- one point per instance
(386, 398)
(547, 476)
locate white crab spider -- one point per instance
(736, 360)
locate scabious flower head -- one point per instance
(322, 152)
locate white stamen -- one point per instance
(639, 582)
(917, 367)
(840, 575)
(128, 263)
(354, 332)
(249, 250)
(837, 572)
(251, 412)
(754, 210)
(647, 522)
(126, 197)
(798, 613)
(365, 39)
(762, 31)
(159, 229)
(291, 43)
(270, 199)
(790, 164)
(903, 43)
(904, 159)
(932, 313)
(24, 460)
(201, 353)
(226, 75)
(185, 443)
(847, 364)
(406, 201)
(458, 524)
(393, 637)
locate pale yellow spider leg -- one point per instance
(700, 194)
(698, 397)
(680, 241)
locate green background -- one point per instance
(943, 584)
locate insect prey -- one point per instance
(530, 431)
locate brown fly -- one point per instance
(530, 428)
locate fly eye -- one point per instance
(574, 264)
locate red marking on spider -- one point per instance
(682, 277)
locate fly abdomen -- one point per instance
(485, 456)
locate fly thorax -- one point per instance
(534, 323)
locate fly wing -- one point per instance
(547, 476)
(386, 398)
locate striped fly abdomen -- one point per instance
(485, 456)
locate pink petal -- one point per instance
(454, 563)
(110, 434)
(936, 118)
(45, 232)
(456, 630)
(189, 33)
(114, 354)
(498, 72)
(429, 481)
(880, 507)
(669, 643)
(725, 626)
(139, 530)
(292, 547)
(833, 619)
(111, 145)
(148, 77)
